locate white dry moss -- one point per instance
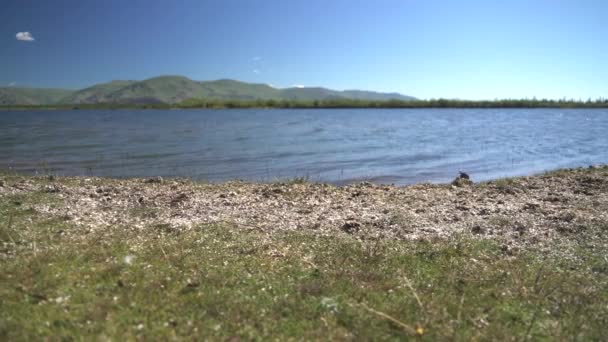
(528, 211)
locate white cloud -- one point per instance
(256, 71)
(12, 84)
(298, 86)
(256, 58)
(25, 36)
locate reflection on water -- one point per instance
(340, 146)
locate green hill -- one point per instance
(317, 93)
(163, 89)
(96, 93)
(175, 89)
(307, 94)
(372, 95)
(227, 89)
(31, 96)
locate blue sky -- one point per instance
(429, 49)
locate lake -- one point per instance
(400, 146)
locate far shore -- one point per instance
(327, 104)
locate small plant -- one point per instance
(505, 185)
(298, 180)
(500, 221)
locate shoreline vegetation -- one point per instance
(326, 104)
(100, 258)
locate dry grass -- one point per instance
(64, 279)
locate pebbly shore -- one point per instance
(545, 211)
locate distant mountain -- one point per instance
(96, 93)
(175, 89)
(237, 90)
(317, 93)
(310, 93)
(372, 95)
(163, 89)
(31, 96)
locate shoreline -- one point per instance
(169, 107)
(145, 259)
(519, 211)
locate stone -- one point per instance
(461, 182)
(154, 180)
(51, 189)
(477, 229)
(351, 227)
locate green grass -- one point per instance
(222, 281)
(31, 96)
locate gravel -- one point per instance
(552, 211)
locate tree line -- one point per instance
(432, 103)
(334, 103)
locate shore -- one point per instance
(343, 103)
(535, 211)
(286, 233)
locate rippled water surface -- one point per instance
(340, 146)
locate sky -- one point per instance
(463, 49)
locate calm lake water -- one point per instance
(339, 146)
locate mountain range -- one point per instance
(175, 89)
